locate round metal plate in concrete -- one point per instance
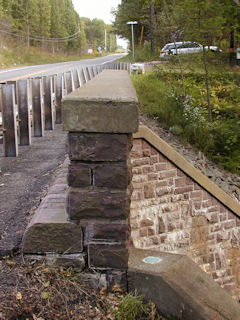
(152, 260)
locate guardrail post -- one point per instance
(58, 97)
(85, 76)
(24, 112)
(93, 72)
(88, 74)
(37, 105)
(10, 140)
(69, 82)
(75, 79)
(79, 78)
(48, 103)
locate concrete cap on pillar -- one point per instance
(107, 104)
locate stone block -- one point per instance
(76, 261)
(115, 231)
(82, 204)
(79, 175)
(107, 256)
(50, 231)
(108, 103)
(95, 280)
(178, 287)
(111, 175)
(98, 146)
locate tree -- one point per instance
(132, 10)
(95, 32)
(111, 39)
(82, 38)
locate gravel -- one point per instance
(227, 181)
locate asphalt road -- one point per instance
(24, 179)
(50, 69)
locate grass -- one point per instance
(160, 95)
(23, 56)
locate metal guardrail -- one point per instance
(33, 105)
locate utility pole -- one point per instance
(27, 22)
(152, 25)
(105, 49)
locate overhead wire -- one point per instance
(42, 39)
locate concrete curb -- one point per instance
(49, 230)
(178, 286)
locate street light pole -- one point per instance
(132, 41)
(105, 40)
(132, 23)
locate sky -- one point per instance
(100, 9)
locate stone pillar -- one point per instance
(100, 118)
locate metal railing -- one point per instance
(32, 105)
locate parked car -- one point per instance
(184, 47)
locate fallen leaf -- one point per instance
(10, 263)
(116, 289)
(45, 295)
(36, 318)
(102, 292)
(19, 296)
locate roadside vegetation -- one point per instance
(19, 56)
(186, 114)
(196, 96)
(51, 26)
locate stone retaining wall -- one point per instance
(98, 201)
(172, 212)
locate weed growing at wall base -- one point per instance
(160, 96)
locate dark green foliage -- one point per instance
(209, 22)
(32, 20)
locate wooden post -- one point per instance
(37, 104)
(10, 141)
(58, 96)
(48, 105)
(24, 112)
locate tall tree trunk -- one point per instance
(231, 49)
(207, 86)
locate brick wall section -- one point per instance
(170, 212)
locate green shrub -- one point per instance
(160, 96)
